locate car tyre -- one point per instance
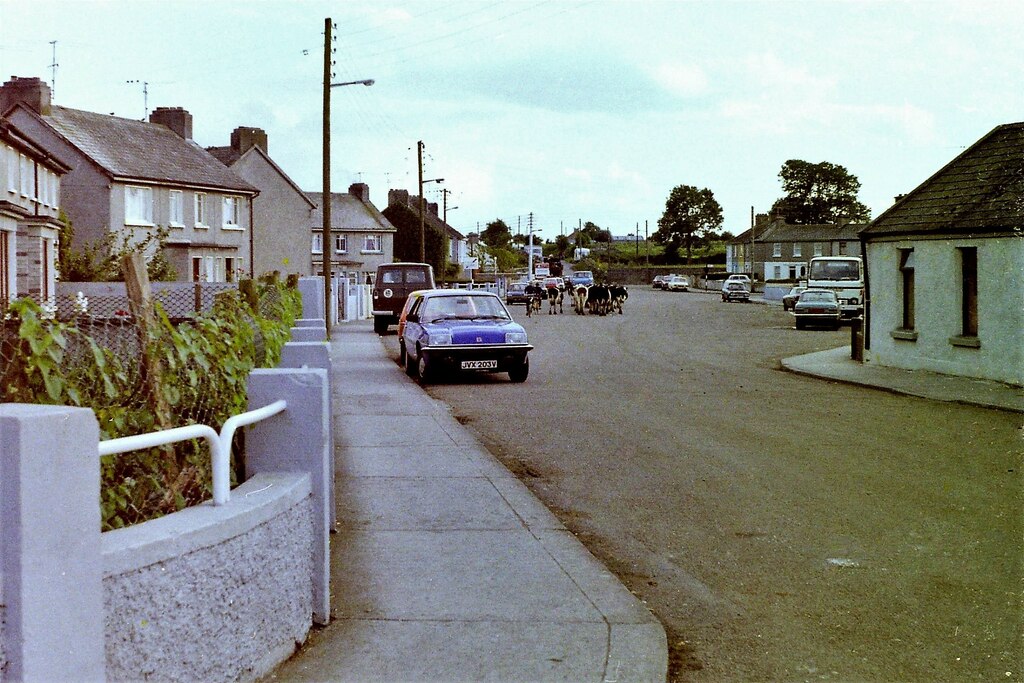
(520, 372)
(403, 359)
(423, 370)
(799, 324)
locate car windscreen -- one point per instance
(817, 296)
(462, 308)
(835, 270)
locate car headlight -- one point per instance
(440, 339)
(853, 301)
(515, 337)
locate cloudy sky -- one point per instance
(572, 110)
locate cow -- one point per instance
(555, 297)
(579, 299)
(533, 293)
(617, 295)
(598, 300)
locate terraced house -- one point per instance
(129, 177)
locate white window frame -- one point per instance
(341, 243)
(13, 174)
(317, 245)
(232, 206)
(777, 249)
(176, 209)
(138, 205)
(798, 249)
(817, 249)
(201, 209)
(28, 189)
(371, 244)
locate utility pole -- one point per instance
(751, 249)
(647, 246)
(423, 230)
(529, 248)
(325, 248)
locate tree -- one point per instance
(496, 234)
(562, 246)
(689, 213)
(819, 193)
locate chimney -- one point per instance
(432, 207)
(245, 137)
(398, 197)
(362, 192)
(175, 118)
(31, 92)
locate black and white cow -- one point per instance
(579, 299)
(618, 295)
(555, 297)
(598, 300)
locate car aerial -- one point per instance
(582, 277)
(516, 293)
(790, 298)
(677, 283)
(817, 307)
(447, 331)
(735, 291)
(392, 286)
(659, 281)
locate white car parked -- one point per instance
(677, 283)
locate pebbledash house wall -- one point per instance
(211, 593)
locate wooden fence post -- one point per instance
(136, 281)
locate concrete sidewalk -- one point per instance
(837, 365)
(445, 567)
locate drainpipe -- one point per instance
(867, 294)
(252, 237)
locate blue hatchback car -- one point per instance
(449, 330)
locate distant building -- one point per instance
(362, 237)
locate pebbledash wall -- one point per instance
(211, 593)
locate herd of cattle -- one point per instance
(599, 299)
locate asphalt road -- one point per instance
(782, 528)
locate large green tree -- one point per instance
(496, 234)
(690, 213)
(819, 193)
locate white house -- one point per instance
(945, 268)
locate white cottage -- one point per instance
(945, 268)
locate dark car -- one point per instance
(448, 331)
(788, 300)
(817, 307)
(516, 293)
(392, 286)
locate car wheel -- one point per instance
(401, 354)
(521, 371)
(799, 324)
(380, 325)
(410, 365)
(423, 370)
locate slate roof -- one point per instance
(137, 150)
(827, 232)
(982, 190)
(410, 209)
(348, 212)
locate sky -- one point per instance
(566, 110)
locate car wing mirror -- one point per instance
(413, 318)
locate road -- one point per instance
(781, 527)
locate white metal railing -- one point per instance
(220, 444)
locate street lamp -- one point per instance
(327, 247)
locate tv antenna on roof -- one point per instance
(145, 96)
(53, 70)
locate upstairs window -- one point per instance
(340, 244)
(28, 178)
(12, 170)
(371, 243)
(231, 209)
(798, 249)
(318, 243)
(138, 205)
(777, 249)
(842, 248)
(817, 249)
(176, 209)
(199, 204)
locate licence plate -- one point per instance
(479, 364)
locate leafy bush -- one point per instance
(204, 365)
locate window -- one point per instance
(969, 290)
(5, 255)
(777, 249)
(318, 243)
(231, 207)
(138, 205)
(371, 243)
(776, 272)
(176, 209)
(817, 248)
(197, 268)
(229, 270)
(12, 170)
(28, 180)
(798, 249)
(200, 210)
(842, 248)
(341, 243)
(907, 273)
